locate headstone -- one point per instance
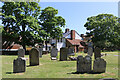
(88, 63)
(80, 64)
(90, 48)
(71, 52)
(21, 53)
(40, 51)
(34, 57)
(90, 51)
(99, 65)
(97, 52)
(54, 53)
(84, 64)
(19, 65)
(63, 53)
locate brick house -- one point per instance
(69, 39)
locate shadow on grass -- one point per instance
(31, 65)
(9, 72)
(85, 72)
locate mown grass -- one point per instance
(58, 69)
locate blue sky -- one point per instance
(76, 13)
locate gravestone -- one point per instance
(34, 57)
(80, 64)
(21, 53)
(71, 52)
(99, 65)
(54, 53)
(97, 52)
(19, 65)
(88, 63)
(90, 51)
(40, 51)
(63, 53)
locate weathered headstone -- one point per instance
(54, 53)
(40, 51)
(90, 48)
(88, 64)
(80, 64)
(19, 65)
(34, 57)
(97, 52)
(21, 53)
(71, 52)
(90, 51)
(84, 64)
(63, 53)
(99, 65)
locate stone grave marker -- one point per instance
(63, 53)
(97, 52)
(99, 65)
(40, 51)
(21, 53)
(88, 63)
(71, 52)
(80, 64)
(19, 65)
(54, 53)
(90, 51)
(34, 57)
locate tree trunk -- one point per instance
(23, 38)
(46, 43)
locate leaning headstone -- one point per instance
(80, 64)
(54, 53)
(40, 51)
(71, 52)
(19, 65)
(99, 65)
(90, 51)
(21, 53)
(88, 63)
(97, 52)
(63, 53)
(34, 57)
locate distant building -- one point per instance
(69, 39)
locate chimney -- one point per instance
(72, 34)
(66, 30)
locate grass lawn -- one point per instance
(58, 69)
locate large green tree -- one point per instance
(20, 20)
(104, 27)
(51, 23)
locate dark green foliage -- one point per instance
(20, 21)
(104, 27)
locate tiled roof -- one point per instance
(75, 42)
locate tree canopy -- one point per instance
(20, 21)
(51, 23)
(105, 29)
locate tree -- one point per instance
(51, 23)
(20, 20)
(104, 28)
